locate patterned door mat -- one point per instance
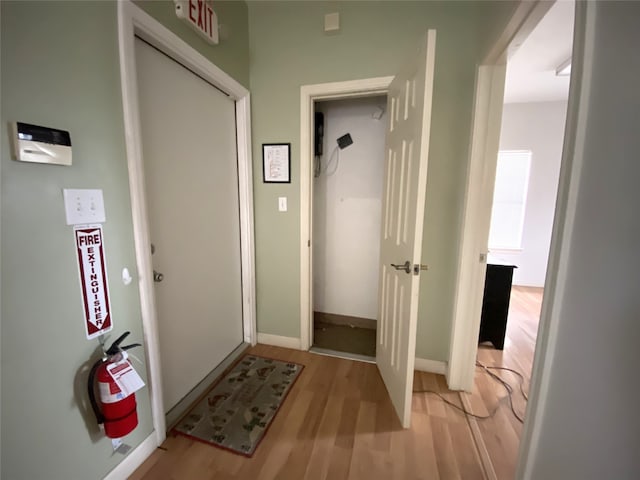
(238, 410)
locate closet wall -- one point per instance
(347, 208)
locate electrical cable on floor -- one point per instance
(507, 386)
(462, 409)
(500, 380)
(526, 397)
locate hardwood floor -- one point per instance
(501, 434)
(338, 423)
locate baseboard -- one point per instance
(279, 341)
(136, 458)
(431, 366)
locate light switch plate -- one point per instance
(282, 204)
(83, 206)
(332, 22)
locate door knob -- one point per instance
(157, 277)
(406, 266)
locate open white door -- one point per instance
(409, 107)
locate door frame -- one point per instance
(309, 94)
(133, 21)
(483, 152)
(524, 19)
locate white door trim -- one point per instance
(308, 95)
(562, 237)
(523, 20)
(485, 137)
(134, 21)
(476, 220)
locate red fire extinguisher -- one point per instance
(118, 413)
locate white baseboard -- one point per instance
(279, 341)
(136, 458)
(431, 366)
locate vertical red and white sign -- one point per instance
(93, 279)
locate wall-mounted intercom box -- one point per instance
(32, 143)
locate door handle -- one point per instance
(157, 277)
(406, 266)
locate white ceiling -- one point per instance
(531, 71)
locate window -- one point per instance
(509, 200)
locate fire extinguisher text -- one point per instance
(90, 248)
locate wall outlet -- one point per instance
(83, 206)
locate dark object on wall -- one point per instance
(318, 133)
(495, 304)
(344, 141)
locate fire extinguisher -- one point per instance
(118, 414)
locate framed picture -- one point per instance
(276, 162)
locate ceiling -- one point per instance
(531, 70)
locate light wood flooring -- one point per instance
(501, 434)
(338, 423)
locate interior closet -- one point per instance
(347, 200)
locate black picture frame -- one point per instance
(276, 163)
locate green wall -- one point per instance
(289, 49)
(60, 68)
(231, 54)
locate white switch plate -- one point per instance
(282, 204)
(83, 206)
(332, 22)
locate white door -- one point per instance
(409, 107)
(191, 180)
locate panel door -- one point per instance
(409, 107)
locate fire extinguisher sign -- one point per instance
(93, 279)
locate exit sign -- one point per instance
(200, 16)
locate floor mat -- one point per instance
(238, 410)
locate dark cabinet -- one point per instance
(495, 304)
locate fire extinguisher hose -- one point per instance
(92, 391)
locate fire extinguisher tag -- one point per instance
(125, 377)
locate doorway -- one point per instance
(524, 204)
(133, 23)
(349, 136)
(310, 95)
(190, 163)
(410, 94)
